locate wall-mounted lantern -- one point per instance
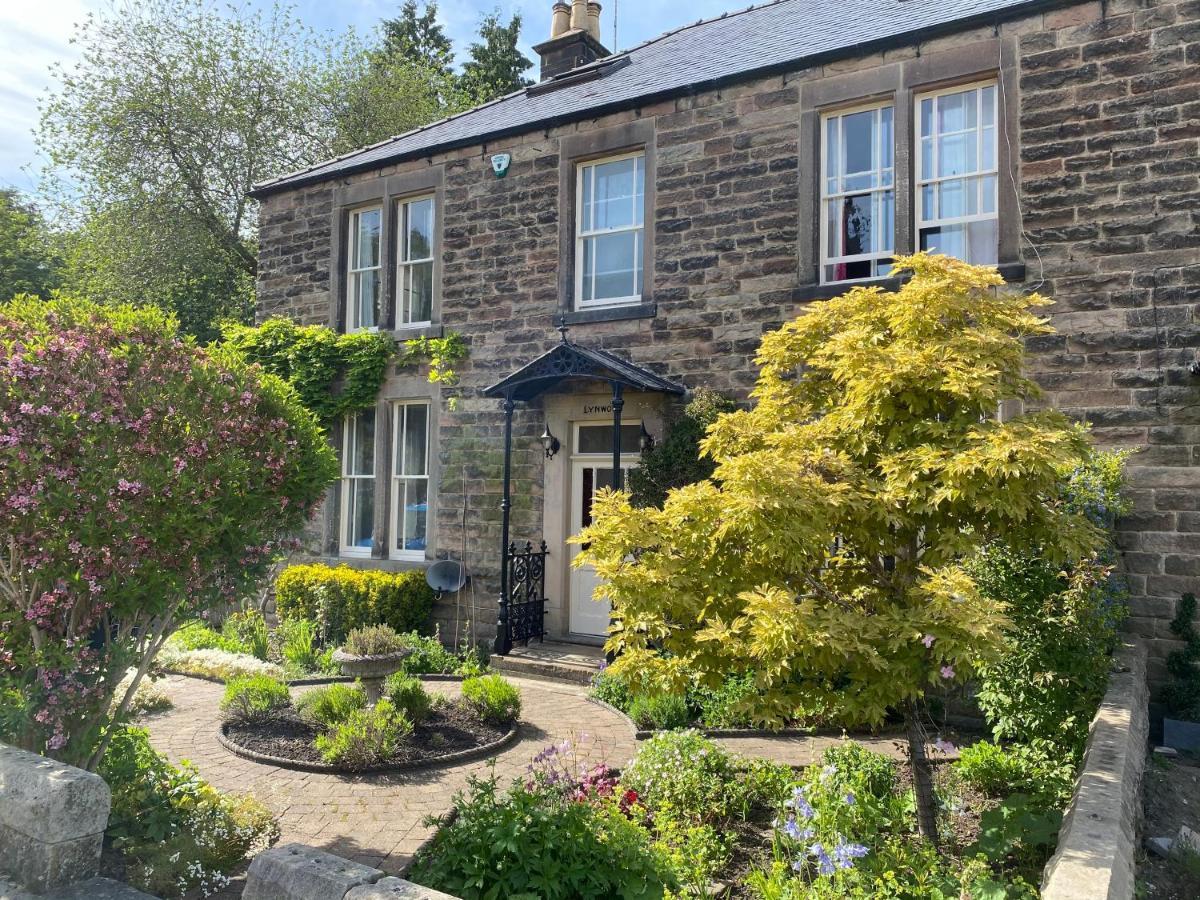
(549, 443)
(645, 439)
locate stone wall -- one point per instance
(1106, 135)
(1097, 844)
(298, 872)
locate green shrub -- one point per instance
(538, 844)
(429, 656)
(368, 737)
(721, 707)
(675, 460)
(408, 695)
(297, 643)
(251, 698)
(660, 711)
(200, 636)
(492, 698)
(248, 628)
(176, 833)
(1054, 670)
(215, 663)
(340, 599)
(331, 704)
(373, 640)
(684, 771)
(1042, 772)
(611, 689)
(1181, 694)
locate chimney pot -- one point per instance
(579, 15)
(560, 19)
(593, 11)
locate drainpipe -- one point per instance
(503, 633)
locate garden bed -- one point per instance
(451, 733)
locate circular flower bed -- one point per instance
(334, 728)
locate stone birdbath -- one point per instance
(371, 670)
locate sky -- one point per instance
(34, 34)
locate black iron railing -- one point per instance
(523, 609)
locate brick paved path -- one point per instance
(376, 819)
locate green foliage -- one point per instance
(1039, 771)
(660, 711)
(441, 353)
(611, 689)
(248, 629)
(536, 843)
(176, 832)
(174, 110)
(429, 655)
(373, 640)
(334, 374)
(726, 706)
(367, 737)
(408, 695)
(1182, 692)
(331, 704)
(492, 698)
(30, 255)
(826, 553)
(252, 698)
(417, 36)
(496, 65)
(200, 636)
(1020, 828)
(340, 598)
(1053, 671)
(675, 460)
(688, 773)
(296, 643)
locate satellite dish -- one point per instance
(446, 576)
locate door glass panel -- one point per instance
(598, 439)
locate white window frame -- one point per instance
(979, 175)
(398, 482)
(405, 264)
(878, 169)
(353, 273)
(345, 548)
(581, 236)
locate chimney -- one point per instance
(593, 15)
(574, 38)
(560, 19)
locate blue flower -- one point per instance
(793, 830)
(849, 798)
(845, 853)
(800, 803)
(824, 863)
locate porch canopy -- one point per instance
(564, 362)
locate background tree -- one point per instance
(828, 553)
(417, 38)
(143, 481)
(173, 112)
(30, 254)
(496, 65)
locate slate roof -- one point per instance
(762, 38)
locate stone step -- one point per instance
(572, 663)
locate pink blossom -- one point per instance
(927, 640)
(947, 671)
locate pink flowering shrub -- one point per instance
(143, 480)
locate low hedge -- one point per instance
(341, 599)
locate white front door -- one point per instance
(590, 471)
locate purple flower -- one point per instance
(943, 746)
(927, 640)
(800, 803)
(849, 798)
(793, 830)
(824, 863)
(845, 853)
(947, 671)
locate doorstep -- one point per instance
(574, 663)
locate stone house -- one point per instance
(668, 204)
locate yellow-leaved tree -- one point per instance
(826, 553)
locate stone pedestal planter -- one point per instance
(371, 670)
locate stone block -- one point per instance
(297, 872)
(395, 889)
(99, 889)
(52, 820)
